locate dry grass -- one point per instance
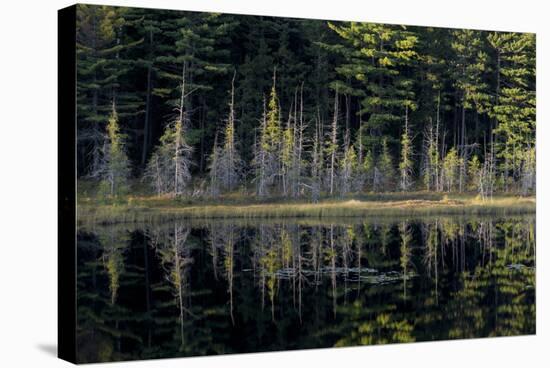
(153, 209)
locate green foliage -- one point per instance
(368, 169)
(451, 166)
(115, 169)
(349, 174)
(474, 172)
(470, 65)
(406, 163)
(271, 138)
(386, 172)
(104, 62)
(464, 90)
(514, 108)
(169, 169)
(377, 59)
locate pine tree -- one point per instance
(194, 42)
(470, 64)
(148, 27)
(515, 103)
(255, 76)
(468, 91)
(434, 99)
(377, 57)
(102, 64)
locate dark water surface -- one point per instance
(199, 288)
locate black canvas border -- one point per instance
(66, 176)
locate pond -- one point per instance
(187, 288)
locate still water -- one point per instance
(199, 288)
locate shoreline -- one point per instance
(155, 209)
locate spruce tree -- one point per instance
(267, 160)
(451, 169)
(348, 171)
(114, 169)
(230, 163)
(384, 176)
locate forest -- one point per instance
(202, 105)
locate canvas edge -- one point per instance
(66, 185)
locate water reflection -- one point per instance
(196, 288)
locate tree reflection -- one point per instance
(339, 283)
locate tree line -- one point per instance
(205, 104)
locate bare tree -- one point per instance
(169, 169)
(225, 162)
(333, 144)
(406, 164)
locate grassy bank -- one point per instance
(154, 209)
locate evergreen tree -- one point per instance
(169, 169)
(267, 159)
(215, 168)
(452, 164)
(431, 159)
(470, 64)
(348, 171)
(171, 163)
(368, 169)
(229, 160)
(102, 64)
(384, 176)
(474, 173)
(287, 156)
(469, 92)
(114, 169)
(379, 57)
(193, 45)
(514, 108)
(148, 26)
